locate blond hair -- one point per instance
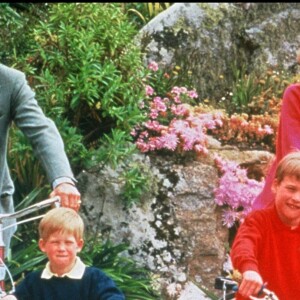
(61, 219)
(289, 166)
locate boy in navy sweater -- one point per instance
(65, 276)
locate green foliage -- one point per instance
(135, 281)
(25, 170)
(89, 69)
(16, 21)
(243, 90)
(115, 147)
(255, 93)
(136, 178)
(137, 181)
(142, 13)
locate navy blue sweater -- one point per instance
(94, 285)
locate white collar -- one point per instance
(75, 273)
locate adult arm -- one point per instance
(288, 140)
(45, 139)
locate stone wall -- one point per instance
(176, 231)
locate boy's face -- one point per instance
(287, 200)
(61, 249)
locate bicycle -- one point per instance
(230, 287)
(15, 215)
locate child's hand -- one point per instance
(251, 284)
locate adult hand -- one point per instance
(251, 284)
(69, 195)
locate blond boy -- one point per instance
(65, 276)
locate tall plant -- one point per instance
(86, 69)
(87, 74)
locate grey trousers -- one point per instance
(7, 206)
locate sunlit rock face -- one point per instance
(212, 41)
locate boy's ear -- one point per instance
(42, 245)
(274, 186)
(80, 244)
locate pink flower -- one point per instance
(176, 90)
(179, 125)
(153, 66)
(236, 192)
(153, 125)
(142, 146)
(159, 104)
(179, 110)
(177, 99)
(153, 113)
(200, 149)
(169, 141)
(133, 132)
(192, 94)
(268, 129)
(229, 217)
(149, 90)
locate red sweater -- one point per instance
(288, 140)
(264, 244)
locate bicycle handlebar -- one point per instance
(30, 209)
(227, 284)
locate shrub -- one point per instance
(87, 75)
(16, 23)
(171, 123)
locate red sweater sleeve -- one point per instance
(246, 244)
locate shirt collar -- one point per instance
(75, 273)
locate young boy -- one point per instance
(266, 249)
(65, 276)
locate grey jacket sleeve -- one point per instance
(40, 130)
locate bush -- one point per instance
(87, 69)
(16, 23)
(87, 75)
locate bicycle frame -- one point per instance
(15, 215)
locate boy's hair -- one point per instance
(61, 219)
(289, 166)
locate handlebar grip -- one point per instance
(230, 284)
(58, 201)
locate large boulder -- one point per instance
(214, 41)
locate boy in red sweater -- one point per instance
(266, 249)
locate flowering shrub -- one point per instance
(257, 131)
(172, 123)
(244, 130)
(235, 191)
